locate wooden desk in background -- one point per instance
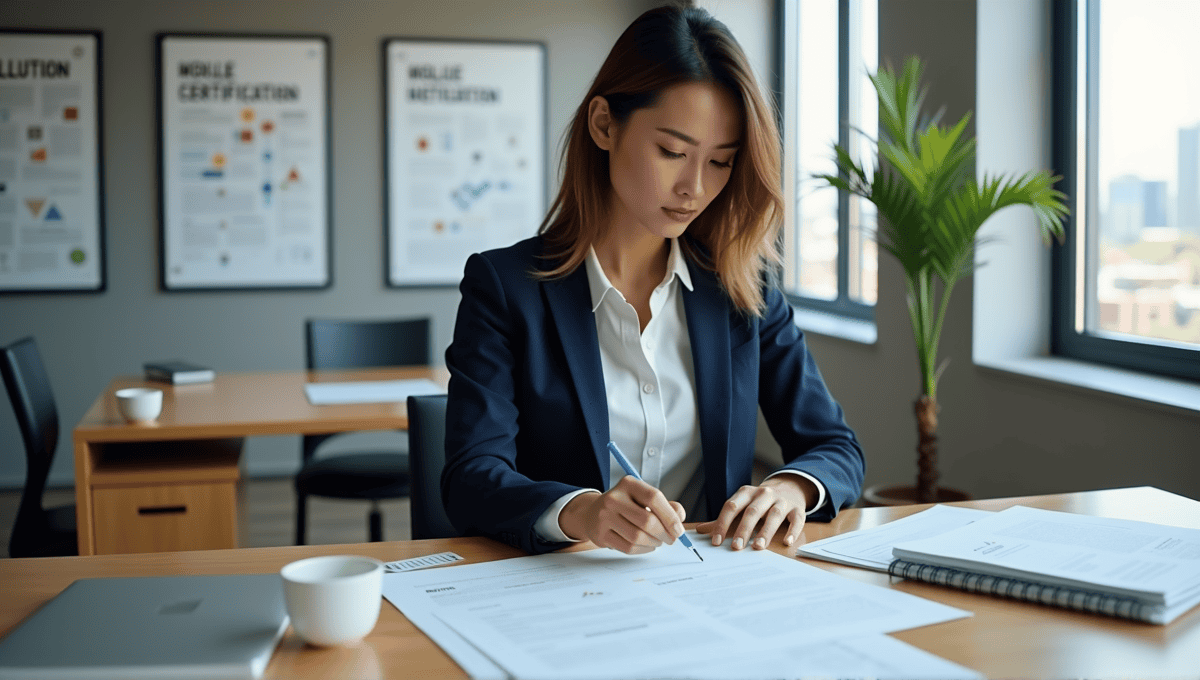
(1004, 639)
(172, 485)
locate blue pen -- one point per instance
(616, 453)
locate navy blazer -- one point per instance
(527, 415)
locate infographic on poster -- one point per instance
(466, 129)
(245, 143)
(51, 223)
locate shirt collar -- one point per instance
(600, 285)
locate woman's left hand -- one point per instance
(766, 507)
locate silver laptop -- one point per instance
(224, 626)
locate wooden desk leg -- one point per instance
(84, 526)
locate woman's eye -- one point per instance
(728, 164)
(668, 154)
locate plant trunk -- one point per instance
(927, 475)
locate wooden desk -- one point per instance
(133, 494)
(1004, 639)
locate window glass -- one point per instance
(1142, 245)
(834, 264)
(864, 49)
(817, 131)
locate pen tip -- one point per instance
(698, 554)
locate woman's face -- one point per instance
(669, 161)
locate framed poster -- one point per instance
(51, 173)
(244, 161)
(465, 127)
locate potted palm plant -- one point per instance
(930, 209)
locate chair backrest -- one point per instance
(337, 344)
(426, 458)
(33, 403)
(366, 344)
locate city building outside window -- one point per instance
(1127, 141)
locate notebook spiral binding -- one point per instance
(1019, 589)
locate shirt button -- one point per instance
(648, 388)
(652, 452)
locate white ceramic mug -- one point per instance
(335, 599)
(139, 404)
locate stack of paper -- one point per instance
(872, 548)
(603, 614)
(1118, 567)
(1136, 570)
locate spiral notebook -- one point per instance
(1135, 570)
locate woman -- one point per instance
(638, 315)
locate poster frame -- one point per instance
(98, 122)
(542, 89)
(326, 158)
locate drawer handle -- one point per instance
(164, 510)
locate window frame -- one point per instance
(843, 305)
(1151, 356)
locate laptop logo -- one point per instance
(185, 607)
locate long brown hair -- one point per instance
(738, 231)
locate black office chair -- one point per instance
(426, 458)
(38, 531)
(369, 475)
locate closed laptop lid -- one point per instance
(224, 626)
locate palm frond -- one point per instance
(930, 205)
(900, 230)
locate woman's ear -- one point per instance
(600, 123)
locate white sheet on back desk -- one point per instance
(368, 391)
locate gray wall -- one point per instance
(86, 340)
(1001, 435)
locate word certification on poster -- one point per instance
(245, 159)
(466, 131)
(51, 222)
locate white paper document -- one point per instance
(613, 633)
(601, 613)
(368, 391)
(473, 661)
(773, 598)
(872, 548)
(874, 656)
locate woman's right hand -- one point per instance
(632, 517)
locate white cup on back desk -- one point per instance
(139, 404)
(335, 599)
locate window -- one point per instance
(830, 46)
(1127, 142)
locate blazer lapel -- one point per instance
(569, 300)
(708, 329)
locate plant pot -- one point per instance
(880, 496)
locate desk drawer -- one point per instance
(138, 519)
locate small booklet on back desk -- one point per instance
(178, 372)
(1136, 570)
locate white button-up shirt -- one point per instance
(649, 381)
